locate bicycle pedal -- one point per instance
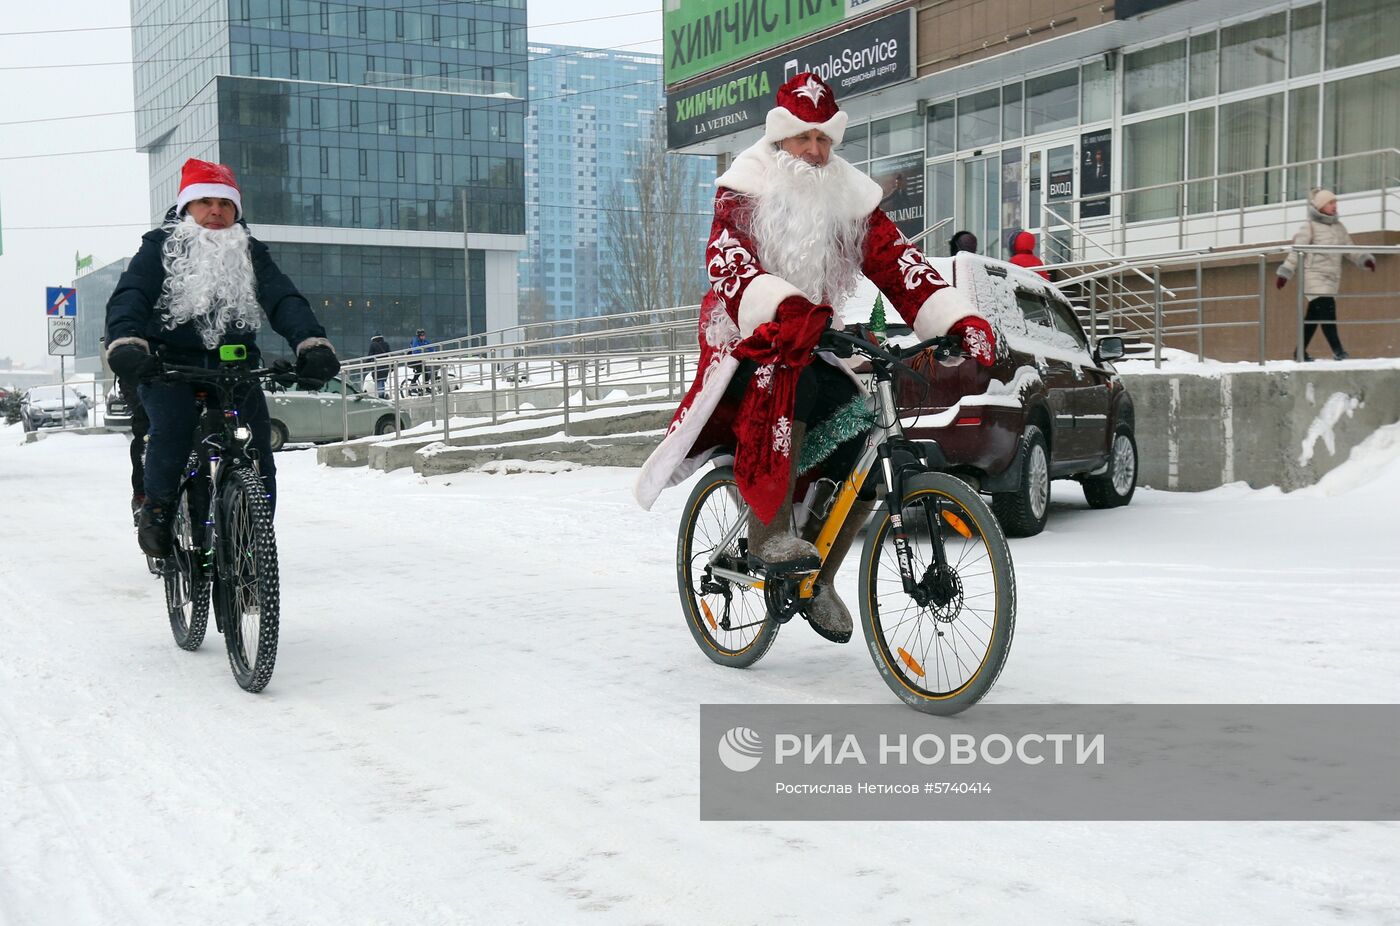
(788, 569)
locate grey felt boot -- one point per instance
(826, 612)
(773, 546)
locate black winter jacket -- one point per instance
(131, 311)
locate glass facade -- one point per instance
(392, 116)
(591, 111)
(359, 291)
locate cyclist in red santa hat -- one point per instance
(794, 225)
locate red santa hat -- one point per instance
(804, 103)
(202, 179)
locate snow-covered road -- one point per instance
(486, 710)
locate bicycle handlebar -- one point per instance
(843, 345)
(280, 372)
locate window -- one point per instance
(1062, 318)
(1200, 160)
(941, 128)
(437, 28)
(1204, 64)
(393, 117)
(325, 160)
(294, 55)
(471, 31)
(315, 111)
(1033, 308)
(325, 17)
(1359, 114)
(895, 134)
(398, 24)
(334, 67)
(286, 12)
(362, 20)
(354, 114)
(364, 163)
(1096, 104)
(1152, 154)
(1250, 136)
(437, 167)
(1361, 30)
(979, 119)
(1154, 77)
(466, 122)
(1013, 112)
(855, 144)
(1305, 40)
(1052, 102)
(1253, 53)
(254, 63)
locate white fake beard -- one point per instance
(209, 280)
(802, 231)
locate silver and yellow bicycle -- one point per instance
(937, 588)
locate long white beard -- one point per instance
(209, 280)
(803, 231)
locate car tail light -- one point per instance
(969, 419)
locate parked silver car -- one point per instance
(53, 407)
(302, 416)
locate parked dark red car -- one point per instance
(1051, 407)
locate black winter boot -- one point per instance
(773, 546)
(153, 529)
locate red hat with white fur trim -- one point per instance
(202, 179)
(804, 103)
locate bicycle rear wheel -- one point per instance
(186, 578)
(246, 590)
(730, 622)
(944, 655)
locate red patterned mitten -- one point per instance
(978, 340)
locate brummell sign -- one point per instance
(859, 60)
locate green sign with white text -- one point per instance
(702, 35)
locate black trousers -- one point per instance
(1322, 312)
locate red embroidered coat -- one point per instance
(748, 311)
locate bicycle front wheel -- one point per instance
(184, 572)
(941, 649)
(729, 621)
(246, 588)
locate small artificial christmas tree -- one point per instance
(877, 319)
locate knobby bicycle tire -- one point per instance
(943, 657)
(709, 513)
(186, 579)
(246, 589)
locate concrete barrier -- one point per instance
(620, 450)
(1282, 427)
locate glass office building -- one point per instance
(375, 144)
(591, 111)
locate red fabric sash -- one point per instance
(763, 426)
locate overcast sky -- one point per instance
(40, 197)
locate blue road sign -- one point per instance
(61, 300)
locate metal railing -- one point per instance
(1155, 313)
(1237, 208)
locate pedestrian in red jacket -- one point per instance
(1023, 252)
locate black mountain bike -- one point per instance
(222, 539)
(937, 588)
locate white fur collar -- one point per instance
(749, 175)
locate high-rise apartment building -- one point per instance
(592, 112)
(375, 142)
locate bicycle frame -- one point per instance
(883, 435)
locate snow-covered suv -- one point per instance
(1051, 407)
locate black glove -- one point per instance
(315, 365)
(132, 363)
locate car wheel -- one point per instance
(1022, 512)
(385, 425)
(1114, 487)
(279, 436)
